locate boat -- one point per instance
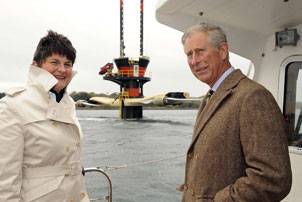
(267, 32)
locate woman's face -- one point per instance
(61, 68)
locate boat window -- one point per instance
(293, 103)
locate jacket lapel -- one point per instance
(202, 105)
(207, 111)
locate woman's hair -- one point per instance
(216, 34)
(54, 43)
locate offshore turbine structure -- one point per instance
(131, 72)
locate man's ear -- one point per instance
(223, 50)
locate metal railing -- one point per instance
(99, 170)
(130, 73)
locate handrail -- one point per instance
(130, 72)
(96, 169)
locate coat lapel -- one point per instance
(62, 112)
(207, 111)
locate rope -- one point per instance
(97, 199)
(118, 167)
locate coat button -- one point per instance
(82, 195)
(190, 155)
(68, 171)
(192, 192)
(185, 187)
(53, 112)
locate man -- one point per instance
(40, 136)
(239, 147)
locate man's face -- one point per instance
(61, 68)
(206, 62)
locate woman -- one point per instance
(40, 136)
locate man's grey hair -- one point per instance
(216, 34)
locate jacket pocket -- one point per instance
(42, 187)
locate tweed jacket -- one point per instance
(40, 144)
(239, 147)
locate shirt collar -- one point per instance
(222, 77)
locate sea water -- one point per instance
(145, 159)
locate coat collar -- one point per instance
(223, 92)
(42, 81)
(41, 77)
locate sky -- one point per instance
(93, 28)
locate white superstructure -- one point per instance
(253, 29)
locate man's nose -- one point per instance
(195, 59)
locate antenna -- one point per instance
(141, 28)
(122, 45)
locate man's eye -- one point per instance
(54, 62)
(200, 50)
